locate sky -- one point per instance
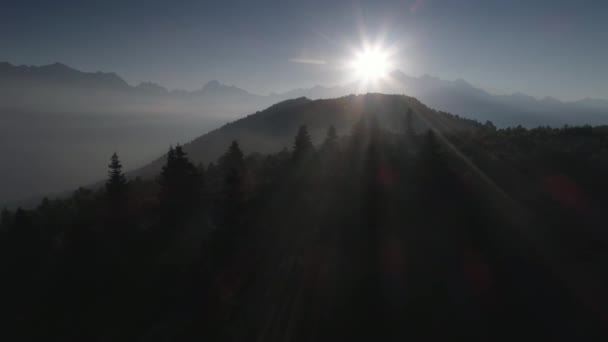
(542, 48)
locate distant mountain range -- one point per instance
(61, 124)
(59, 88)
(460, 97)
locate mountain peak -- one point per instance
(271, 129)
(60, 73)
(58, 65)
(56, 68)
(218, 88)
(152, 88)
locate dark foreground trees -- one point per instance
(181, 186)
(492, 235)
(116, 184)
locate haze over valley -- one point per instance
(303, 171)
(63, 123)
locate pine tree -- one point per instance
(5, 219)
(116, 185)
(330, 144)
(24, 229)
(358, 135)
(180, 155)
(233, 160)
(302, 147)
(232, 165)
(489, 126)
(329, 155)
(170, 158)
(181, 183)
(166, 173)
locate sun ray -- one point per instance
(371, 64)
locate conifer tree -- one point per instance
(180, 183)
(330, 144)
(489, 126)
(116, 185)
(5, 219)
(329, 153)
(302, 147)
(24, 229)
(232, 165)
(233, 160)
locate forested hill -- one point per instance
(482, 235)
(272, 129)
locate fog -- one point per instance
(59, 126)
(45, 154)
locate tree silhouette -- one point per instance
(488, 125)
(232, 165)
(180, 183)
(330, 144)
(232, 162)
(116, 184)
(5, 219)
(410, 241)
(302, 146)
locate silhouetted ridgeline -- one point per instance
(435, 229)
(271, 130)
(62, 89)
(52, 111)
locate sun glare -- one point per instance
(371, 64)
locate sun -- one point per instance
(371, 64)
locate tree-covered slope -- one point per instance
(271, 130)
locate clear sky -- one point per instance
(557, 48)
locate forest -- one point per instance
(381, 234)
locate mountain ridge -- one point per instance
(61, 72)
(65, 123)
(272, 129)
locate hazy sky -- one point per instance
(557, 48)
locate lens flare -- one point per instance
(371, 64)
